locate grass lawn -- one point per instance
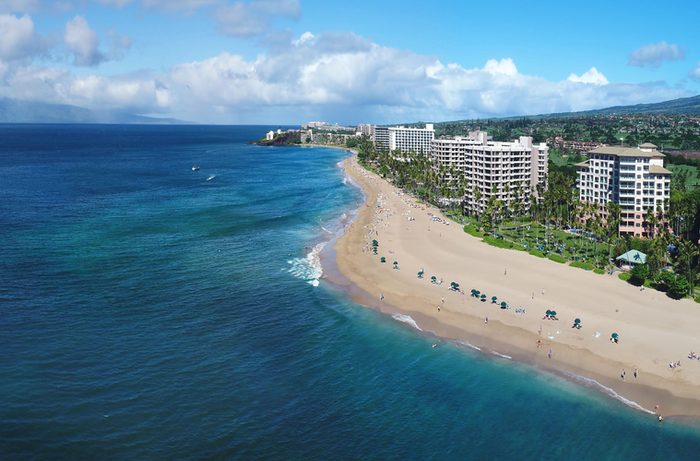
(693, 178)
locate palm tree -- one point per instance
(687, 252)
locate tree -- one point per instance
(639, 274)
(678, 287)
(685, 261)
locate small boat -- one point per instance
(195, 167)
(211, 177)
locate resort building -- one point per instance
(270, 135)
(509, 171)
(635, 178)
(416, 140)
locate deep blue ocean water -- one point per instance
(149, 313)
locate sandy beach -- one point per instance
(654, 331)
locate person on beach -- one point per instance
(486, 321)
(635, 373)
(381, 296)
(549, 353)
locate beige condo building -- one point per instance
(509, 171)
(635, 178)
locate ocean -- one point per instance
(149, 311)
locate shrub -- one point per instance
(557, 258)
(535, 252)
(472, 230)
(639, 274)
(582, 265)
(663, 280)
(500, 243)
(678, 288)
(599, 271)
(625, 276)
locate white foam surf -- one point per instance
(308, 268)
(470, 345)
(502, 355)
(406, 319)
(590, 382)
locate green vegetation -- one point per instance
(599, 271)
(556, 258)
(624, 276)
(582, 265)
(557, 225)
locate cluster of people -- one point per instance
(693, 356)
(519, 310)
(674, 365)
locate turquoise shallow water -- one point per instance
(147, 313)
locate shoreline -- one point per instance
(574, 356)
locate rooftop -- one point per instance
(626, 152)
(656, 169)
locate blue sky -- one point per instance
(288, 61)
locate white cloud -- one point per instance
(343, 77)
(695, 73)
(247, 19)
(83, 42)
(592, 76)
(654, 54)
(17, 37)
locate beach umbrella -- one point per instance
(420, 274)
(473, 292)
(396, 263)
(553, 313)
(433, 278)
(454, 286)
(382, 259)
(548, 313)
(577, 321)
(614, 336)
(494, 299)
(504, 305)
(375, 243)
(483, 297)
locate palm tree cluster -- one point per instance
(557, 206)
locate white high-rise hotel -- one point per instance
(509, 171)
(416, 140)
(633, 177)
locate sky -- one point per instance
(292, 61)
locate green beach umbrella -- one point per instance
(615, 336)
(494, 299)
(396, 263)
(504, 305)
(577, 321)
(375, 243)
(553, 313)
(433, 279)
(548, 313)
(382, 259)
(483, 297)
